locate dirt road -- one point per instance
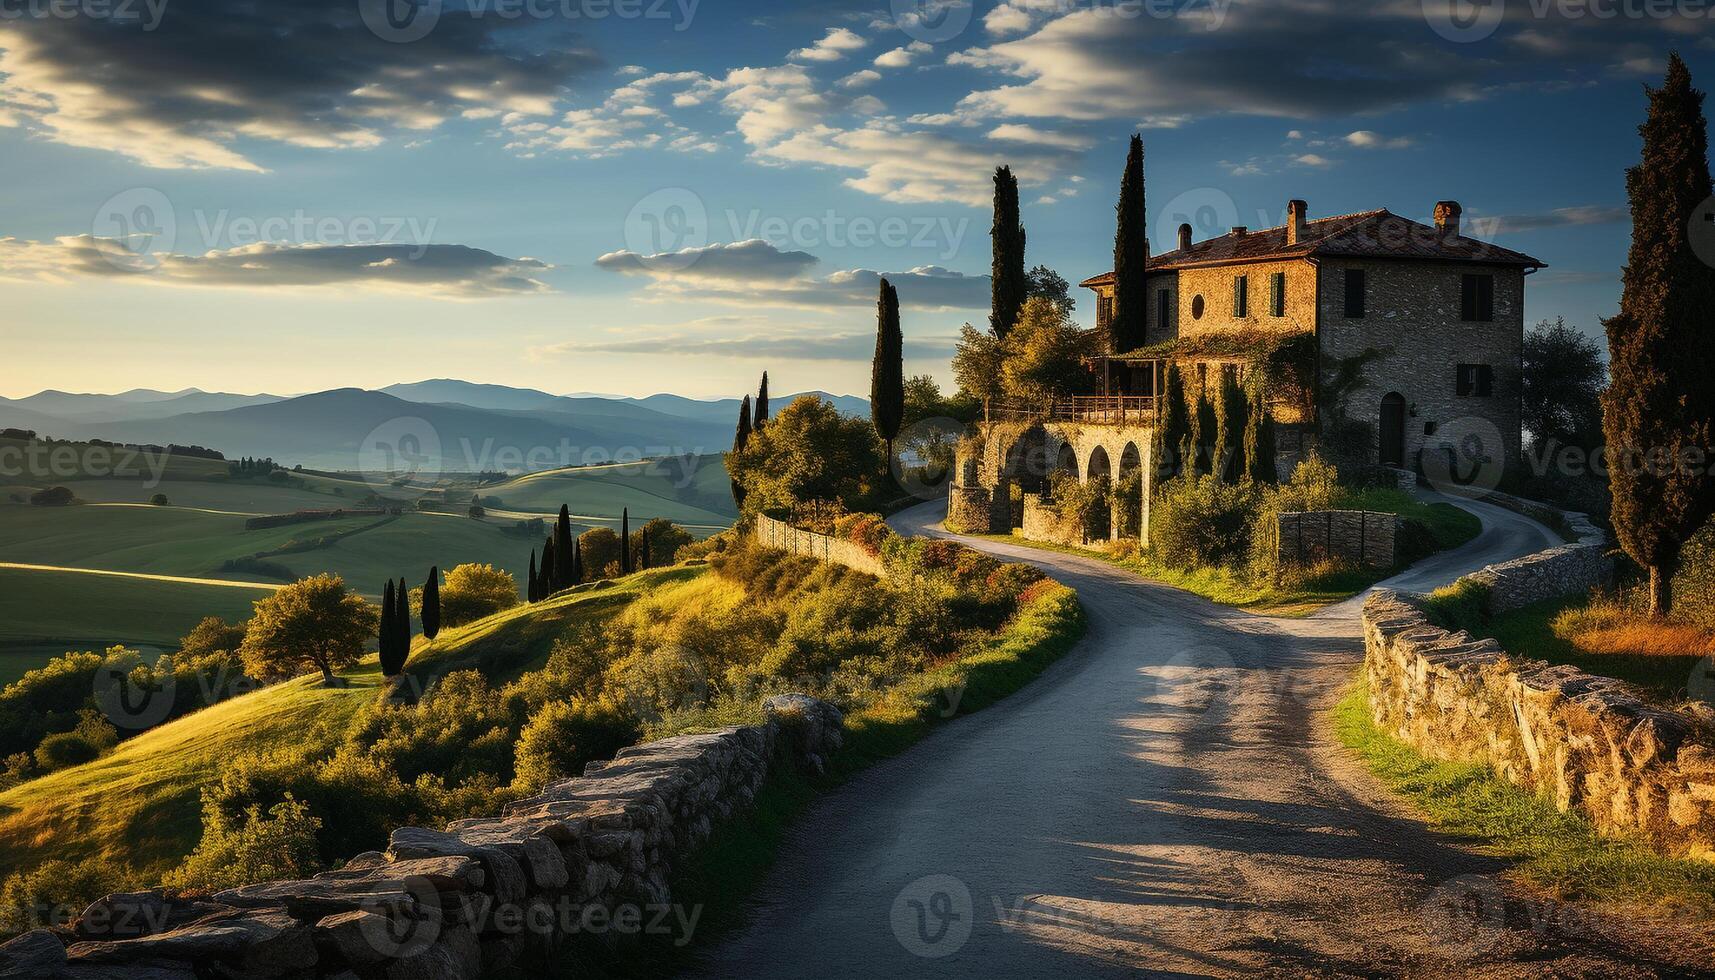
(1163, 801)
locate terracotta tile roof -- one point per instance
(1372, 234)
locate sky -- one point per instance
(633, 196)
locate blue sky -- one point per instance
(675, 196)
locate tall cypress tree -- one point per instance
(1175, 426)
(533, 591)
(1205, 429)
(577, 562)
(1008, 287)
(740, 439)
(1230, 421)
(1259, 437)
(432, 600)
(386, 634)
(761, 404)
(1661, 350)
(625, 541)
(563, 577)
(402, 624)
(643, 550)
(545, 584)
(887, 372)
(1126, 320)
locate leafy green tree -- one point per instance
(533, 592)
(977, 365)
(210, 637)
(1259, 436)
(402, 623)
(1050, 285)
(255, 847)
(664, 541)
(887, 372)
(577, 560)
(1205, 433)
(473, 591)
(432, 600)
(1661, 352)
(810, 452)
(563, 573)
(1561, 387)
(1126, 321)
(314, 623)
(599, 547)
(545, 584)
(1175, 444)
(1045, 355)
(625, 541)
(1008, 285)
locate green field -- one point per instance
(46, 613)
(140, 804)
(703, 496)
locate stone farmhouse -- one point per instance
(1385, 340)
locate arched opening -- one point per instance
(1025, 471)
(1098, 523)
(1391, 427)
(1067, 461)
(1128, 493)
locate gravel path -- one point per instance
(1163, 801)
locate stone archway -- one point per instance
(1098, 524)
(1128, 493)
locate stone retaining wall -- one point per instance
(970, 509)
(1585, 742)
(1348, 535)
(1041, 523)
(785, 537)
(1567, 569)
(589, 860)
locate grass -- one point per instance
(650, 489)
(1599, 636)
(44, 609)
(140, 804)
(1555, 851)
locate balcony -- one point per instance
(1093, 409)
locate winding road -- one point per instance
(1164, 801)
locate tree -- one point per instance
(1050, 285)
(211, 636)
(664, 541)
(625, 541)
(563, 572)
(432, 599)
(473, 591)
(1175, 446)
(977, 364)
(385, 633)
(1230, 426)
(1205, 430)
(1561, 387)
(401, 632)
(545, 584)
(313, 623)
(598, 547)
(643, 550)
(1008, 286)
(739, 440)
(761, 404)
(1045, 355)
(534, 590)
(810, 452)
(1126, 321)
(160, 500)
(887, 372)
(1657, 410)
(577, 561)
(1259, 436)
(52, 497)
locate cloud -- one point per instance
(858, 79)
(445, 271)
(1366, 140)
(197, 91)
(1312, 160)
(833, 46)
(754, 346)
(738, 262)
(916, 166)
(1024, 133)
(902, 57)
(1588, 214)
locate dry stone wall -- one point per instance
(785, 537)
(1348, 535)
(588, 860)
(1568, 569)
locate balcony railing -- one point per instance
(1098, 409)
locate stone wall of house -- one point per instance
(1215, 286)
(1356, 536)
(588, 860)
(1412, 316)
(1585, 742)
(785, 537)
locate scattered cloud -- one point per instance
(1588, 214)
(739, 262)
(1024, 133)
(902, 57)
(799, 345)
(833, 46)
(444, 271)
(1367, 140)
(1312, 160)
(857, 79)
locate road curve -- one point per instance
(1161, 801)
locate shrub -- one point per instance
(473, 591)
(64, 750)
(159, 500)
(1197, 521)
(255, 847)
(55, 892)
(868, 531)
(52, 497)
(563, 737)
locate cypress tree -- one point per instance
(432, 600)
(532, 592)
(577, 562)
(563, 577)
(386, 635)
(625, 541)
(402, 623)
(1008, 287)
(1230, 422)
(761, 404)
(643, 550)
(1259, 437)
(545, 584)
(887, 372)
(740, 439)
(1205, 430)
(1659, 406)
(1175, 426)
(1126, 320)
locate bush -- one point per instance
(64, 750)
(55, 892)
(52, 497)
(159, 500)
(868, 531)
(563, 737)
(256, 847)
(471, 592)
(1199, 521)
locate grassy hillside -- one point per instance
(690, 492)
(59, 611)
(140, 804)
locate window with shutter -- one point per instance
(1277, 294)
(1355, 294)
(1477, 298)
(1241, 297)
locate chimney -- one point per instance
(1447, 218)
(1184, 237)
(1297, 223)
(1239, 231)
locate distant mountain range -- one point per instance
(475, 426)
